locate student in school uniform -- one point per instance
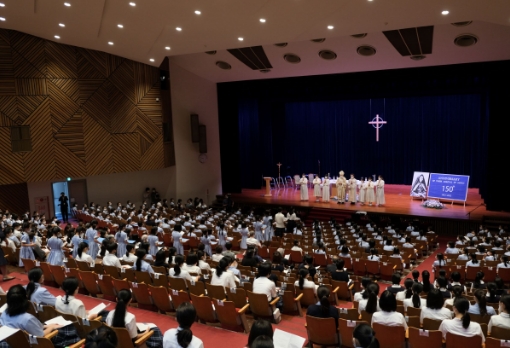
(176, 238)
(82, 254)
(141, 264)
(396, 287)
(388, 314)
(26, 251)
(69, 304)
(56, 246)
(182, 335)
(153, 241)
(178, 272)
(121, 238)
(111, 259)
(370, 301)
(434, 308)
(221, 275)
(503, 319)
(35, 292)
(480, 306)
(461, 324)
(323, 308)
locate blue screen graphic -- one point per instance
(448, 186)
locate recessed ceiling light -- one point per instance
(178, 28)
(370, 0)
(110, 43)
(2, 19)
(120, 26)
(61, 25)
(2, 4)
(57, 37)
(330, 27)
(167, 48)
(152, 60)
(262, 20)
(67, 4)
(198, 12)
(444, 13)
(240, 39)
(132, 4)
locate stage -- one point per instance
(398, 201)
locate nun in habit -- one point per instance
(304, 188)
(317, 188)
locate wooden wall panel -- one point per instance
(14, 198)
(89, 112)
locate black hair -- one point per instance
(442, 282)
(303, 273)
(491, 291)
(123, 298)
(425, 277)
(372, 291)
(408, 284)
(323, 293)
(455, 276)
(416, 275)
(482, 301)
(435, 299)
(140, 254)
(34, 276)
(129, 247)
(69, 285)
(457, 291)
(417, 289)
(17, 301)
(478, 278)
(308, 259)
(222, 265)
(462, 306)
(262, 342)
(160, 256)
(340, 263)
(179, 260)
(186, 316)
(365, 335)
(259, 328)
(473, 258)
(277, 258)
(505, 260)
(388, 302)
(505, 300)
(440, 258)
(192, 259)
(111, 247)
(82, 247)
(103, 337)
(395, 278)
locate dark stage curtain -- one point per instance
(443, 134)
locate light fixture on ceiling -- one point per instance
(152, 60)
(132, 4)
(167, 48)
(2, 4)
(330, 27)
(240, 38)
(2, 19)
(61, 25)
(197, 12)
(57, 37)
(178, 29)
(445, 12)
(262, 20)
(120, 26)
(67, 4)
(110, 43)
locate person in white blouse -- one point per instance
(262, 284)
(83, 255)
(204, 266)
(473, 262)
(461, 324)
(408, 292)
(415, 301)
(370, 303)
(452, 249)
(69, 304)
(503, 319)
(178, 272)
(388, 314)
(296, 247)
(457, 292)
(480, 307)
(221, 276)
(191, 264)
(130, 254)
(182, 335)
(303, 282)
(504, 263)
(111, 259)
(434, 308)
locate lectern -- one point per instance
(268, 186)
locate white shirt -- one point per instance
(408, 302)
(227, 279)
(502, 320)
(455, 327)
(363, 304)
(253, 241)
(191, 269)
(216, 257)
(86, 258)
(389, 319)
(129, 320)
(130, 258)
(401, 295)
(279, 220)
(438, 314)
(170, 340)
(307, 284)
(262, 285)
(204, 265)
(502, 265)
(358, 296)
(111, 260)
(296, 248)
(75, 306)
(475, 309)
(471, 264)
(184, 274)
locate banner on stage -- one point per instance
(448, 186)
(420, 184)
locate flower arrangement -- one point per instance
(432, 203)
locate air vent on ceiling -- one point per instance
(292, 58)
(327, 54)
(359, 36)
(366, 50)
(462, 24)
(418, 57)
(223, 65)
(318, 40)
(212, 53)
(411, 41)
(253, 57)
(281, 44)
(465, 40)
(265, 70)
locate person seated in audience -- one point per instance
(321, 249)
(296, 247)
(500, 286)
(464, 255)
(474, 262)
(434, 308)
(480, 307)
(82, 254)
(260, 328)
(363, 336)
(408, 292)
(395, 287)
(221, 276)
(358, 296)
(217, 256)
(323, 309)
(130, 254)
(111, 259)
(455, 276)
(69, 304)
(492, 293)
(478, 283)
(457, 291)
(503, 319)
(504, 263)
(389, 245)
(15, 315)
(249, 258)
(252, 241)
(103, 337)
(161, 260)
(277, 263)
(416, 276)
(370, 303)
(308, 264)
(439, 262)
(344, 252)
(191, 264)
(263, 342)
(35, 291)
(262, 284)
(441, 284)
(303, 282)
(425, 277)
(182, 336)
(120, 317)
(415, 300)
(141, 264)
(202, 264)
(461, 324)
(388, 314)
(228, 251)
(179, 272)
(452, 249)
(373, 255)
(340, 274)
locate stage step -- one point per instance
(326, 214)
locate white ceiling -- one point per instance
(150, 26)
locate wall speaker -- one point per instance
(202, 144)
(194, 128)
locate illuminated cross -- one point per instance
(377, 123)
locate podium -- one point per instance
(268, 186)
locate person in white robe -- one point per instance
(379, 195)
(370, 195)
(304, 188)
(317, 188)
(325, 189)
(341, 185)
(363, 191)
(351, 185)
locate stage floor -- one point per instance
(397, 197)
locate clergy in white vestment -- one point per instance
(325, 189)
(363, 191)
(351, 185)
(370, 195)
(317, 188)
(304, 188)
(379, 195)
(341, 186)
